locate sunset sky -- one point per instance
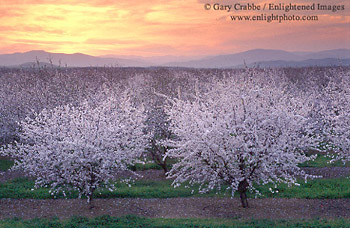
(162, 27)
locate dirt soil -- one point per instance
(328, 172)
(178, 208)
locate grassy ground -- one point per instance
(323, 161)
(5, 164)
(320, 161)
(146, 166)
(150, 164)
(134, 221)
(313, 189)
(318, 188)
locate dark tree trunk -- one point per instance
(91, 193)
(164, 166)
(91, 204)
(242, 189)
(157, 154)
(244, 200)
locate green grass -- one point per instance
(320, 161)
(323, 161)
(21, 188)
(5, 164)
(150, 164)
(313, 189)
(316, 189)
(146, 166)
(135, 221)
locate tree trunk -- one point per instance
(92, 188)
(89, 196)
(90, 199)
(242, 189)
(157, 155)
(244, 200)
(164, 167)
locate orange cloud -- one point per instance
(160, 27)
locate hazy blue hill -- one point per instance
(263, 57)
(304, 63)
(248, 57)
(71, 60)
(35, 64)
(270, 57)
(337, 54)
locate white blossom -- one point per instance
(241, 131)
(335, 114)
(81, 147)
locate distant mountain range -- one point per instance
(255, 57)
(61, 59)
(270, 58)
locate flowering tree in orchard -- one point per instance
(335, 111)
(150, 90)
(241, 131)
(23, 92)
(81, 147)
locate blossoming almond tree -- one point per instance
(240, 132)
(23, 92)
(147, 89)
(80, 147)
(336, 113)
